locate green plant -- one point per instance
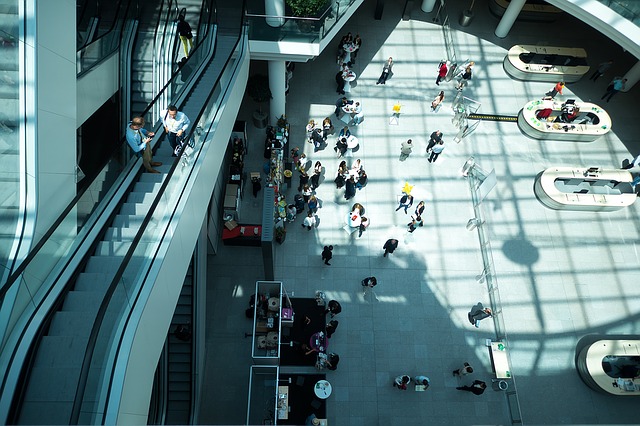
(307, 8)
(258, 88)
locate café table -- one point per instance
(322, 389)
(318, 341)
(348, 78)
(352, 142)
(349, 48)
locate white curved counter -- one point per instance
(546, 63)
(591, 123)
(590, 189)
(592, 361)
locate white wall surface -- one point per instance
(95, 87)
(55, 117)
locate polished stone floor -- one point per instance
(559, 275)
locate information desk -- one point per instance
(242, 235)
(591, 367)
(586, 189)
(591, 122)
(546, 63)
(499, 360)
(283, 402)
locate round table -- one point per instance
(322, 389)
(348, 78)
(349, 48)
(352, 142)
(354, 219)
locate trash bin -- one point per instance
(500, 385)
(466, 17)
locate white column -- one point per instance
(427, 5)
(509, 17)
(277, 76)
(274, 8)
(633, 75)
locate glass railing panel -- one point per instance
(297, 29)
(11, 137)
(132, 278)
(107, 43)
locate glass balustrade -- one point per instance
(296, 29)
(128, 285)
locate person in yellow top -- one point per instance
(557, 89)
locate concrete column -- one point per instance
(633, 75)
(277, 76)
(427, 5)
(509, 17)
(274, 8)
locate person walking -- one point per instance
(420, 209)
(435, 138)
(401, 382)
(406, 201)
(477, 387)
(435, 152)
(442, 72)
(405, 149)
(367, 283)
(186, 35)
(340, 82)
(309, 221)
(390, 246)
(139, 139)
(437, 101)
(616, 85)
(422, 381)
(415, 222)
(556, 89)
(464, 370)
(175, 125)
(386, 70)
(313, 204)
(477, 313)
(317, 172)
(465, 77)
(602, 68)
(256, 186)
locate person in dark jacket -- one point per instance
(186, 36)
(477, 387)
(350, 190)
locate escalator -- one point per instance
(67, 376)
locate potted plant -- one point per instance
(258, 89)
(281, 234)
(307, 9)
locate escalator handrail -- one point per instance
(15, 275)
(97, 325)
(116, 21)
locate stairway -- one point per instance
(180, 375)
(9, 131)
(52, 382)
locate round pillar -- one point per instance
(633, 75)
(277, 76)
(274, 8)
(509, 17)
(427, 5)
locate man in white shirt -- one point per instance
(358, 115)
(175, 124)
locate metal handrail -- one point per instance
(97, 325)
(256, 15)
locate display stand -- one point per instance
(272, 309)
